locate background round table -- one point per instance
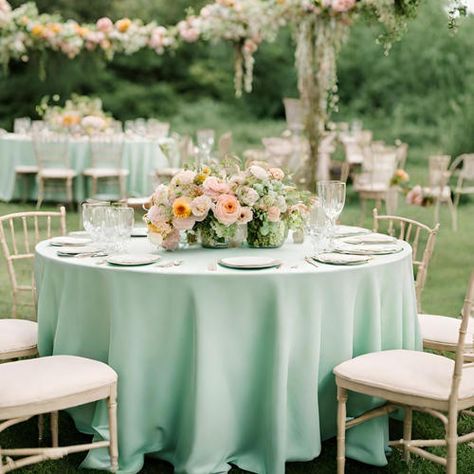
(140, 156)
(226, 366)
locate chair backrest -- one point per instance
(466, 164)
(107, 151)
(294, 114)
(51, 150)
(459, 361)
(402, 154)
(157, 129)
(380, 166)
(438, 171)
(421, 238)
(225, 144)
(19, 233)
(21, 125)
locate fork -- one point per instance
(311, 262)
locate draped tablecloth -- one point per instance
(226, 366)
(140, 156)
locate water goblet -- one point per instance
(332, 195)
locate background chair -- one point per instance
(411, 380)
(51, 150)
(106, 155)
(421, 238)
(48, 384)
(224, 145)
(294, 115)
(465, 182)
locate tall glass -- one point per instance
(125, 221)
(205, 141)
(316, 227)
(332, 196)
(93, 216)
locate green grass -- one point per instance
(452, 262)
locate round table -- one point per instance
(140, 156)
(225, 366)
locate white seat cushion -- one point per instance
(105, 172)
(167, 172)
(465, 190)
(49, 378)
(437, 192)
(17, 335)
(407, 372)
(57, 173)
(444, 329)
(139, 201)
(26, 169)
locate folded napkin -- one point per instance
(373, 238)
(368, 249)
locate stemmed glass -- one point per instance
(332, 195)
(205, 140)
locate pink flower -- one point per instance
(184, 223)
(415, 196)
(227, 209)
(276, 173)
(188, 30)
(158, 39)
(258, 172)
(273, 214)
(214, 187)
(341, 6)
(248, 196)
(104, 24)
(200, 207)
(172, 240)
(250, 46)
(245, 216)
(161, 195)
(183, 178)
(156, 215)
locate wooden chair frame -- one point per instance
(11, 251)
(458, 190)
(410, 231)
(445, 410)
(28, 456)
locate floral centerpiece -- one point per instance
(215, 201)
(80, 114)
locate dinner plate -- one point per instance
(374, 238)
(373, 249)
(139, 231)
(69, 241)
(80, 233)
(70, 251)
(130, 260)
(249, 263)
(341, 259)
(349, 230)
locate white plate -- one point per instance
(139, 232)
(130, 260)
(80, 233)
(249, 263)
(68, 241)
(341, 259)
(373, 238)
(349, 230)
(374, 249)
(71, 251)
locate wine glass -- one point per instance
(332, 195)
(92, 217)
(205, 140)
(316, 226)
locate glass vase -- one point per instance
(268, 235)
(210, 240)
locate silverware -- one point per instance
(311, 262)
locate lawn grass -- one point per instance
(447, 278)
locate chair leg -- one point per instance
(69, 191)
(113, 448)
(40, 428)
(363, 210)
(452, 444)
(123, 193)
(54, 429)
(436, 211)
(94, 186)
(341, 429)
(453, 210)
(407, 427)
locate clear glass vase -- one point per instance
(266, 235)
(210, 240)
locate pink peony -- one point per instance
(214, 187)
(273, 214)
(248, 196)
(415, 196)
(200, 207)
(156, 215)
(104, 24)
(172, 241)
(341, 6)
(184, 223)
(245, 216)
(227, 209)
(276, 173)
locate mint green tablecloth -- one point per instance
(140, 157)
(226, 366)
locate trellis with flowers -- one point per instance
(319, 28)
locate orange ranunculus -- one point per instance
(182, 207)
(54, 27)
(71, 119)
(123, 25)
(37, 30)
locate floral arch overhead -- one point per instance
(319, 28)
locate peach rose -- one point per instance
(227, 209)
(185, 223)
(104, 24)
(214, 187)
(245, 215)
(276, 173)
(200, 207)
(273, 214)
